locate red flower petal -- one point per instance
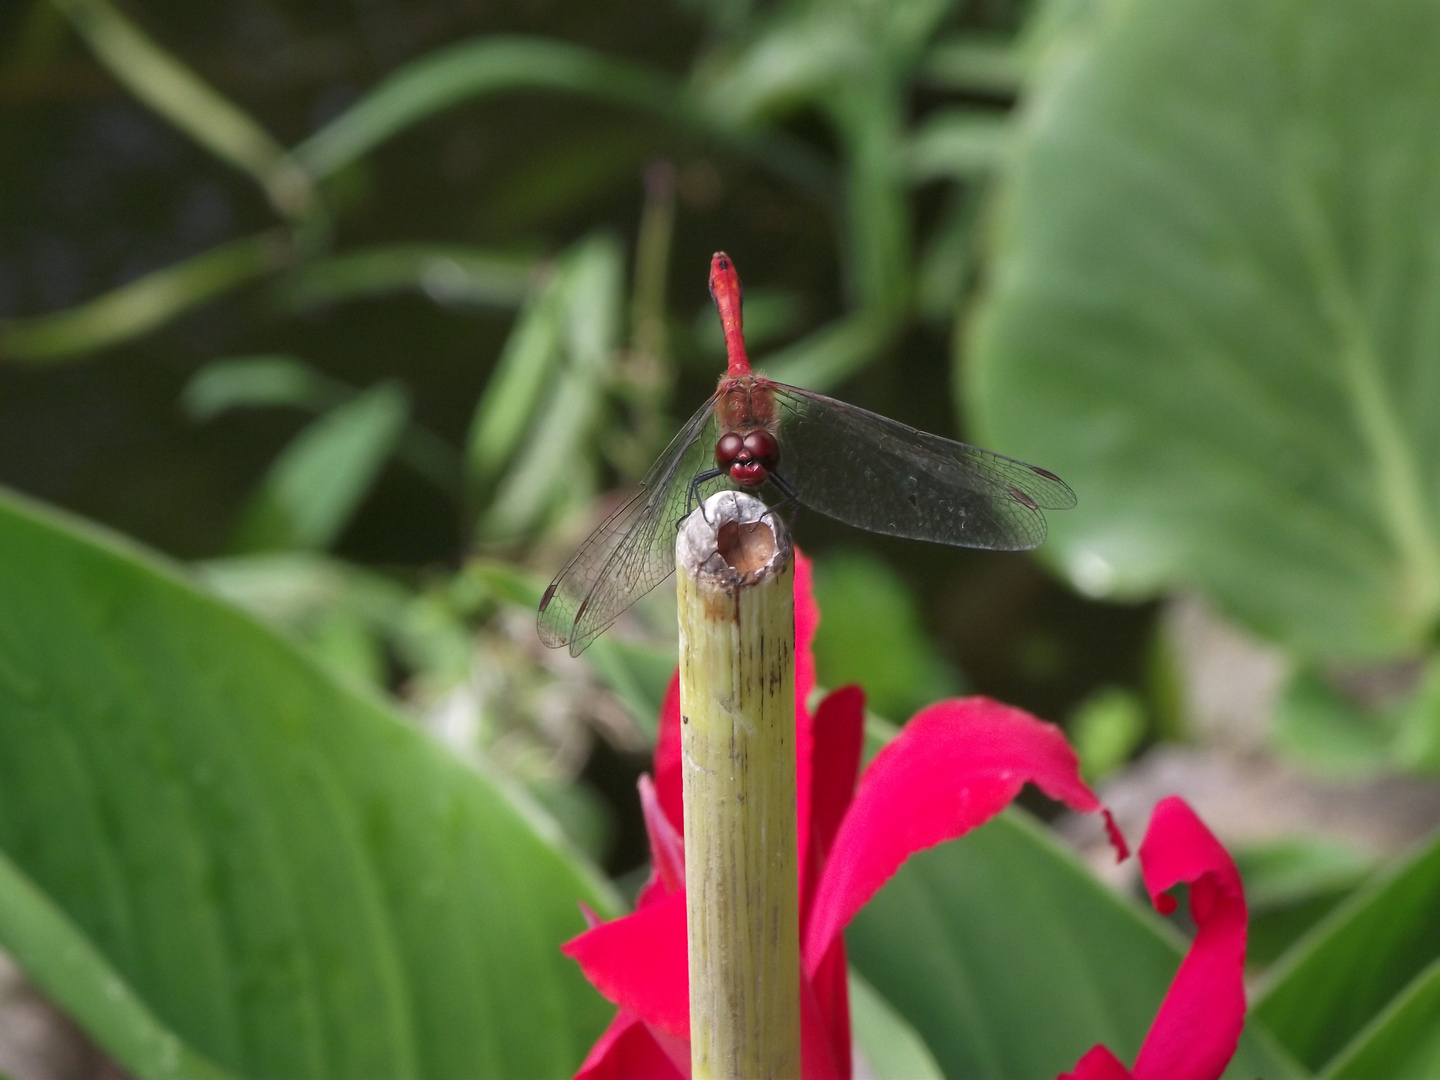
(667, 849)
(807, 618)
(667, 756)
(627, 1051)
(817, 1047)
(1098, 1064)
(833, 750)
(640, 963)
(1198, 1026)
(953, 767)
(831, 994)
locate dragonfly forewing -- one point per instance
(633, 550)
(887, 477)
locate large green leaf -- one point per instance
(1212, 309)
(1357, 962)
(890, 1046)
(1404, 1043)
(1011, 960)
(69, 968)
(292, 879)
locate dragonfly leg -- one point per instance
(692, 499)
(791, 499)
(786, 488)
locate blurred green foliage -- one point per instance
(1193, 273)
(568, 404)
(870, 633)
(1209, 311)
(1290, 885)
(1106, 730)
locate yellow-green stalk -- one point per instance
(735, 573)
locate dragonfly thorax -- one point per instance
(748, 451)
(748, 457)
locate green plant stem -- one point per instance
(735, 575)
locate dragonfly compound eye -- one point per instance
(728, 448)
(763, 447)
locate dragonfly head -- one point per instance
(748, 458)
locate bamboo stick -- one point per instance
(735, 575)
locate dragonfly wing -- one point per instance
(632, 550)
(884, 476)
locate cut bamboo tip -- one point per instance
(733, 540)
(735, 582)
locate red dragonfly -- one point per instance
(850, 464)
